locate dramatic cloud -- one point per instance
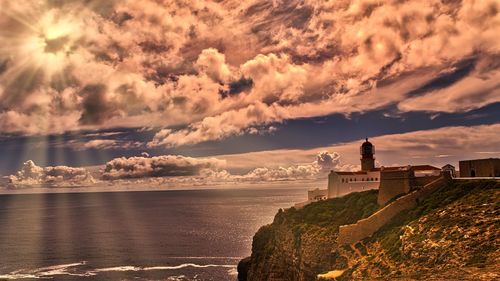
(207, 70)
(328, 161)
(227, 124)
(174, 171)
(296, 167)
(436, 147)
(209, 171)
(31, 174)
(160, 166)
(213, 64)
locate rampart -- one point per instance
(394, 183)
(352, 233)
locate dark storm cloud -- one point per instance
(236, 87)
(96, 107)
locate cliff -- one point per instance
(451, 235)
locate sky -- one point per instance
(182, 94)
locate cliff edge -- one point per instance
(454, 234)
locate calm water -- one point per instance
(170, 235)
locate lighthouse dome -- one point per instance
(367, 149)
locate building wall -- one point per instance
(339, 185)
(481, 167)
(422, 181)
(333, 185)
(352, 233)
(317, 194)
(450, 169)
(394, 183)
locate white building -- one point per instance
(314, 195)
(317, 195)
(341, 183)
(448, 168)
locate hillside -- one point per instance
(454, 234)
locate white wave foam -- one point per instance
(64, 269)
(204, 258)
(44, 272)
(233, 271)
(174, 267)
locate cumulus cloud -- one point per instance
(183, 170)
(290, 173)
(199, 65)
(31, 174)
(436, 147)
(174, 171)
(213, 63)
(160, 166)
(328, 161)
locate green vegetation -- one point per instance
(455, 227)
(311, 232)
(332, 212)
(323, 217)
(390, 233)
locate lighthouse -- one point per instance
(367, 150)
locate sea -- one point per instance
(141, 235)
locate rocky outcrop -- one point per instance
(299, 243)
(243, 268)
(450, 235)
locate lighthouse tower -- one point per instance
(367, 150)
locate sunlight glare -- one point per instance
(51, 43)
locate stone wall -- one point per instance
(423, 181)
(394, 183)
(480, 168)
(352, 233)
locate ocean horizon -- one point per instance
(140, 235)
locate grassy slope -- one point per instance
(461, 217)
(302, 240)
(458, 227)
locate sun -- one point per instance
(52, 42)
(47, 43)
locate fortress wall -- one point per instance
(352, 233)
(394, 183)
(481, 167)
(423, 181)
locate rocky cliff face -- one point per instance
(453, 235)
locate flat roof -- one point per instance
(389, 169)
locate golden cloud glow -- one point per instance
(50, 44)
(44, 43)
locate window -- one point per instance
(376, 179)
